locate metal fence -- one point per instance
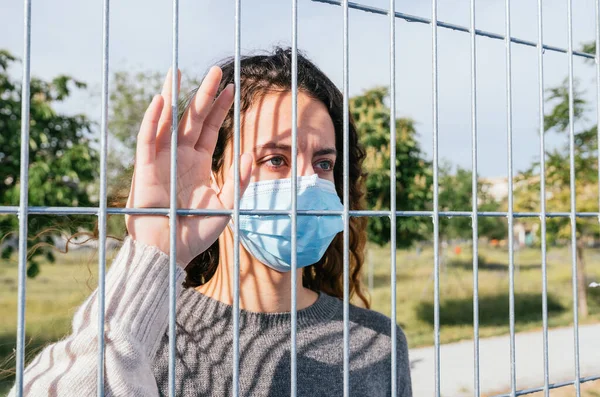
(102, 211)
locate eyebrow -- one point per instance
(288, 148)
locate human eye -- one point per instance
(325, 165)
(275, 162)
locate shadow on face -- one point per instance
(266, 134)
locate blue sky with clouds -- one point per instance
(66, 38)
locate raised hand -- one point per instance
(197, 136)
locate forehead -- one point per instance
(269, 119)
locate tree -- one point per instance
(557, 174)
(63, 163)
(455, 194)
(413, 172)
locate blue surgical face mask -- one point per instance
(268, 237)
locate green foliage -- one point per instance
(455, 194)
(557, 170)
(413, 173)
(62, 162)
(589, 48)
(558, 118)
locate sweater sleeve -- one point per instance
(403, 375)
(136, 318)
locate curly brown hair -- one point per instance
(261, 74)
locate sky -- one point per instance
(67, 39)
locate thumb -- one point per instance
(130, 198)
(226, 195)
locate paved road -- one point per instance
(457, 362)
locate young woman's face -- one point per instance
(267, 135)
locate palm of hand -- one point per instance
(150, 188)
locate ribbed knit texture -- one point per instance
(205, 351)
(136, 358)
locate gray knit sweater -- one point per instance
(136, 362)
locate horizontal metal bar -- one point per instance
(552, 386)
(13, 210)
(459, 28)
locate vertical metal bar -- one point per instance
(597, 9)
(393, 219)
(173, 201)
(294, 214)
(436, 194)
(236, 201)
(23, 197)
(540, 54)
(102, 198)
(511, 252)
(474, 217)
(572, 213)
(346, 157)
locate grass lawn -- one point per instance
(55, 294)
(414, 292)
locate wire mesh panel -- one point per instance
(173, 212)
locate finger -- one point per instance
(226, 196)
(163, 137)
(130, 198)
(200, 107)
(145, 151)
(166, 95)
(210, 130)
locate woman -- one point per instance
(137, 283)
